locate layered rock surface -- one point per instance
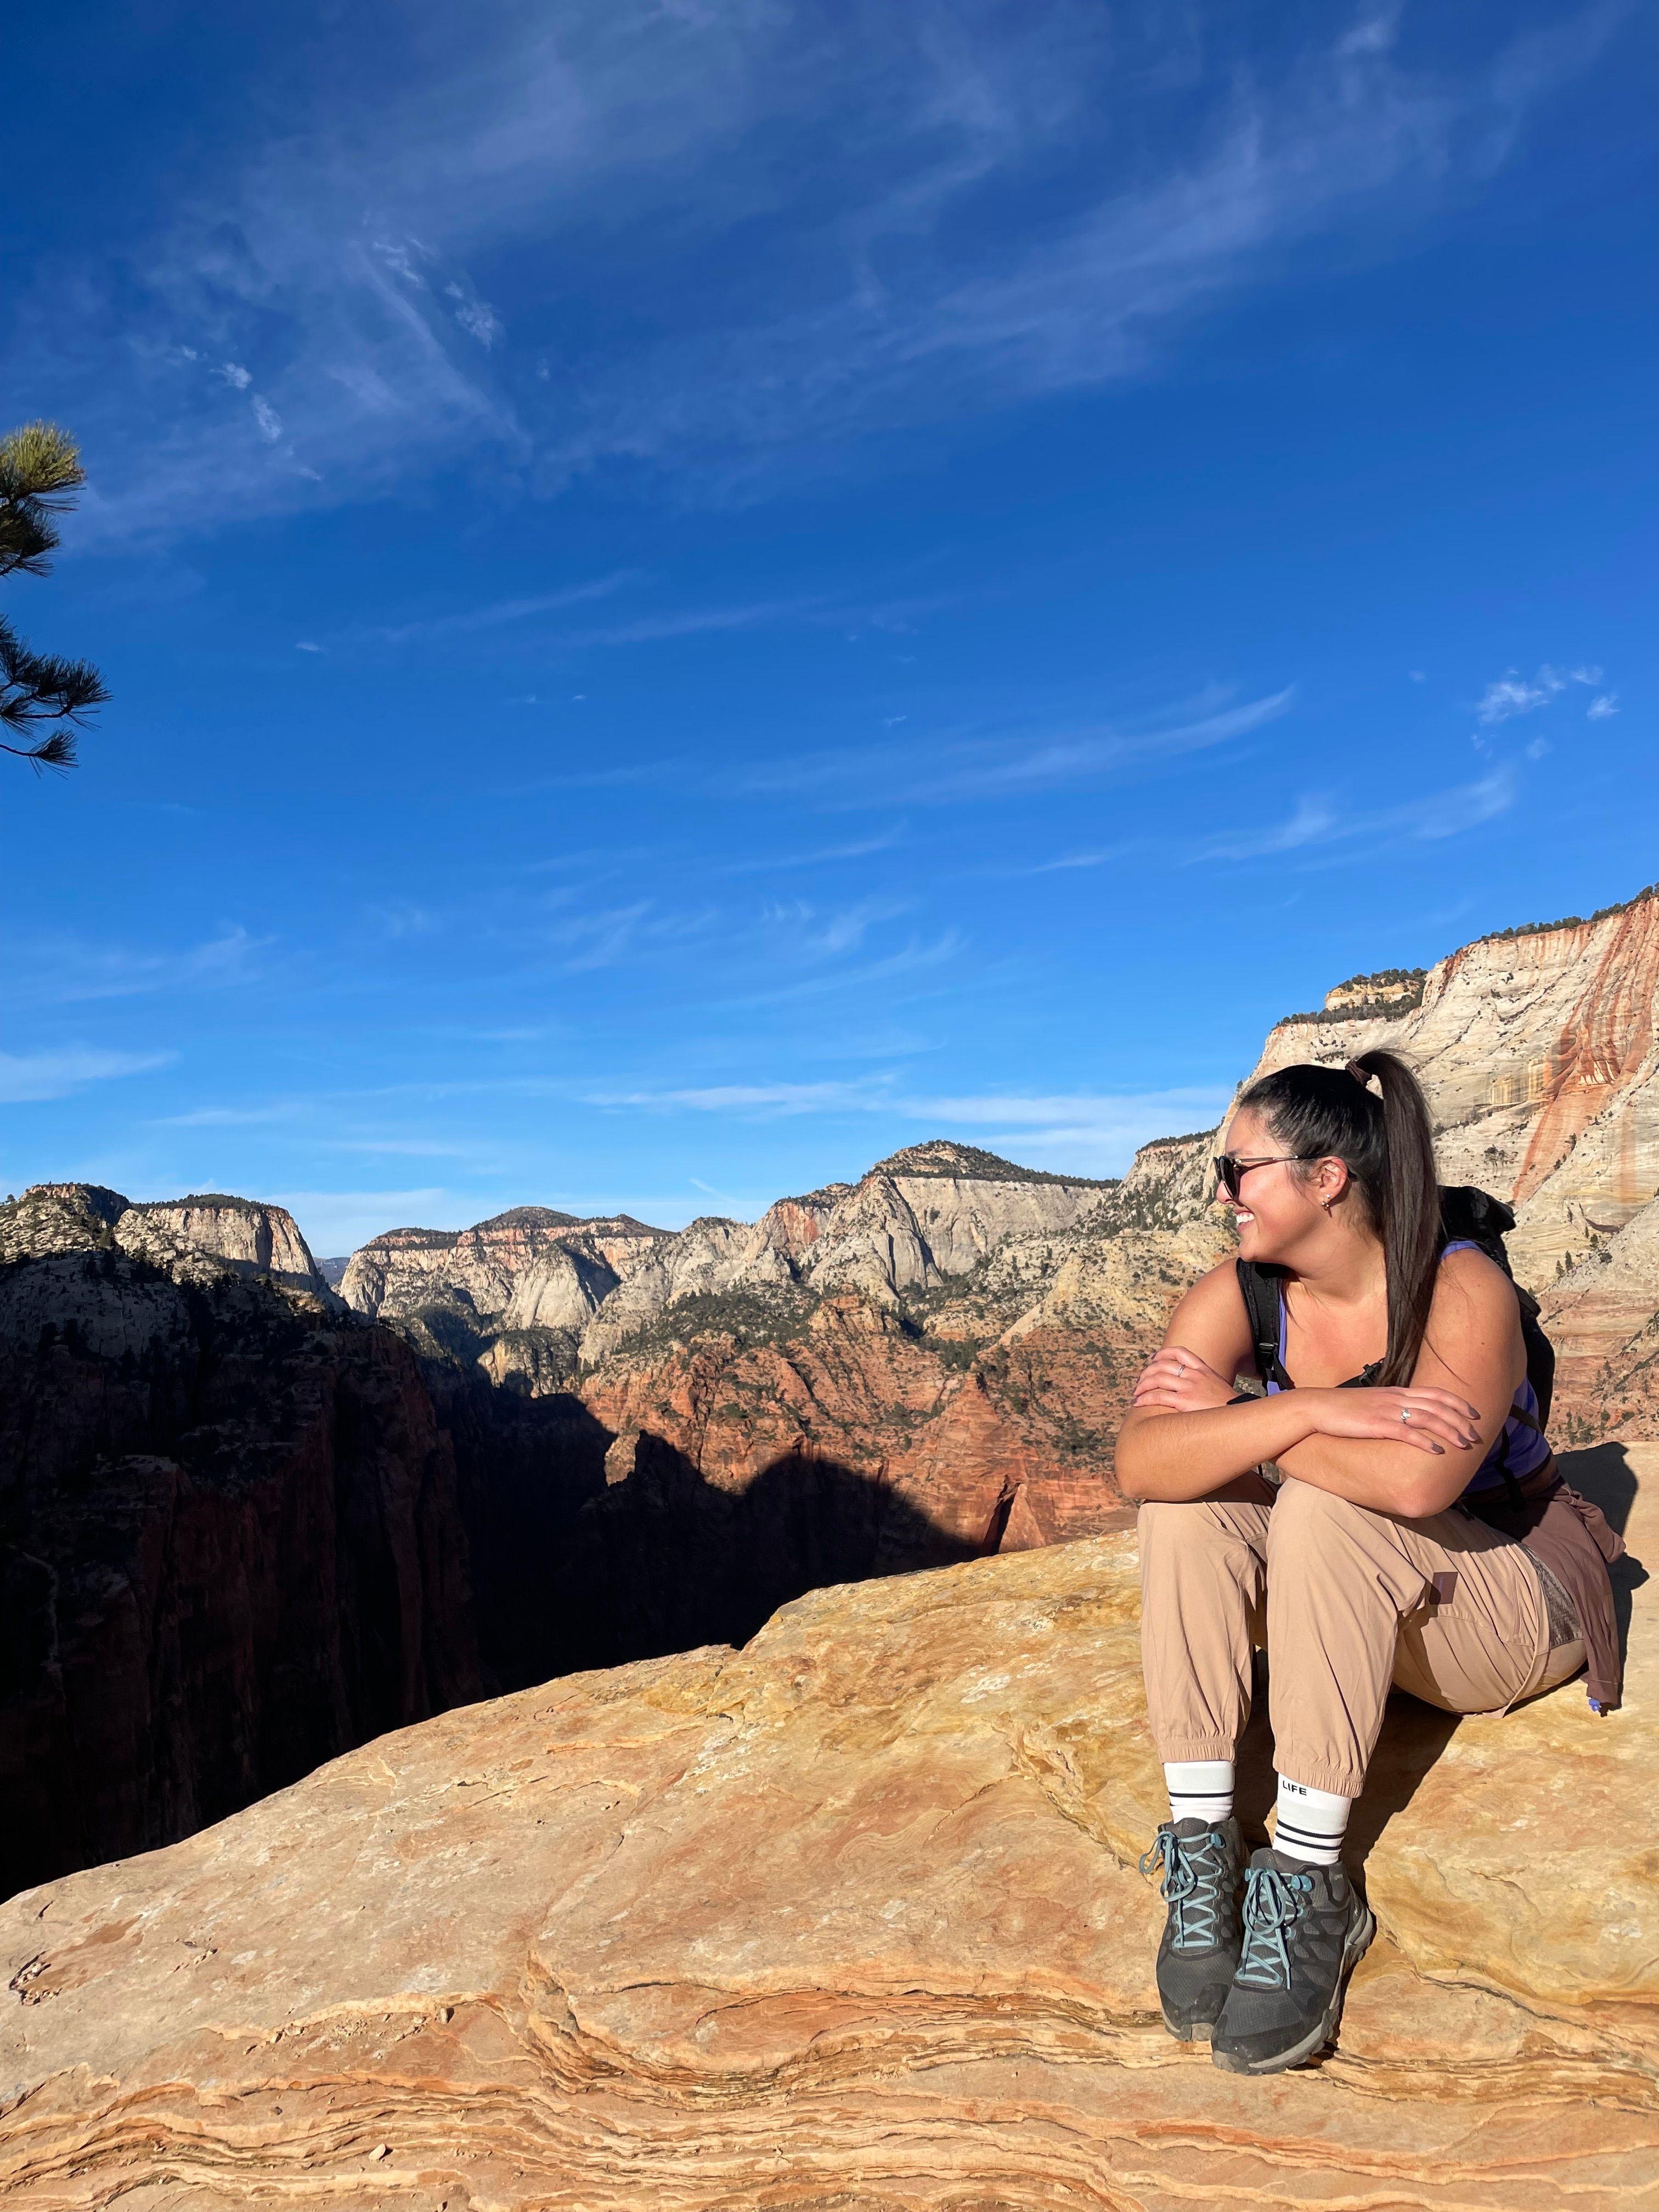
(849, 1918)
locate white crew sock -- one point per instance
(1199, 1788)
(1310, 1823)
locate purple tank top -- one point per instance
(1519, 1449)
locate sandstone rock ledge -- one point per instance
(849, 1919)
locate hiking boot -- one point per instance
(1199, 1955)
(1305, 1930)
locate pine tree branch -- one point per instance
(40, 472)
(56, 751)
(36, 687)
(39, 469)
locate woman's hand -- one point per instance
(1177, 1381)
(1431, 1420)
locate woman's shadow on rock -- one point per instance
(1415, 1735)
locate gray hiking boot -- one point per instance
(1201, 1861)
(1305, 1930)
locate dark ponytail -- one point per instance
(1326, 1112)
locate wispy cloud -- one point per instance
(857, 849)
(970, 768)
(61, 969)
(1067, 861)
(918, 955)
(416, 1148)
(1315, 822)
(1602, 709)
(523, 609)
(603, 937)
(1093, 1132)
(235, 1117)
(823, 933)
(1318, 822)
(25, 1076)
(852, 616)
(1513, 693)
(329, 271)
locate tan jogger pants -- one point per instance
(1351, 1601)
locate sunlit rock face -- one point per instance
(933, 1213)
(204, 1238)
(59, 1216)
(477, 1277)
(1540, 1052)
(248, 1238)
(850, 1917)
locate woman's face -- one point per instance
(1274, 1208)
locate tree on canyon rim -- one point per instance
(43, 700)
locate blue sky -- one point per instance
(694, 591)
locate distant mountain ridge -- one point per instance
(569, 1293)
(1539, 1048)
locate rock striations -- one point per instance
(849, 1919)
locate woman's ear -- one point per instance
(1330, 1180)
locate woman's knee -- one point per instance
(1179, 1528)
(1173, 1521)
(1303, 1515)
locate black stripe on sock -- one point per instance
(1320, 1838)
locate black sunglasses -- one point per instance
(1232, 1167)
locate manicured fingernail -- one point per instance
(1441, 1448)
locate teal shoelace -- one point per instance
(1273, 1906)
(1192, 1883)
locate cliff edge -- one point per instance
(849, 1918)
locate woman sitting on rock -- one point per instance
(1370, 1512)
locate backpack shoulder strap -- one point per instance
(1259, 1286)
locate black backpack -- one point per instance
(1465, 1214)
